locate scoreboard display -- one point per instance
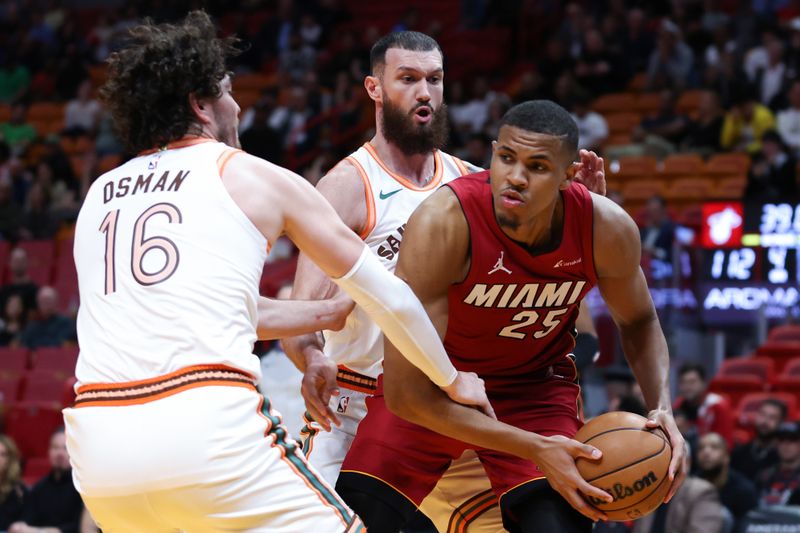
(748, 260)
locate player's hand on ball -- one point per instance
(469, 389)
(591, 172)
(660, 418)
(319, 384)
(555, 456)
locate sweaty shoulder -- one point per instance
(617, 245)
(343, 187)
(261, 190)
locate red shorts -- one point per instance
(411, 458)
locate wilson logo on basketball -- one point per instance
(620, 491)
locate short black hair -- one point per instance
(778, 404)
(692, 367)
(405, 40)
(547, 117)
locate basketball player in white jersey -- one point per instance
(375, 190)
(168, 432)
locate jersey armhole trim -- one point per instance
(461, 166)
(368, 198)
(224, 157)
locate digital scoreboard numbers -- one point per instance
(749, 261)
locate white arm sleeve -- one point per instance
(397, 311)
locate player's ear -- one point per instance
(200, 108)
(373, 86)
(569, 176)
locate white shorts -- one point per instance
(462, 501)
(198, 450)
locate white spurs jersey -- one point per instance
(391, 199)
(168, 268)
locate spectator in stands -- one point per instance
(637, 40)
(737, 493)
(695, 508)
(789, 119)
(257, 136)
(657, 135)
(555, 62)
(14, 79)
(478, 150)
(290, 121)
(50, 328)
(532, 86)
(599, 68)
(621, 390)
(746, 122)
(82, 113)
(671, 62)
(53, 504)
(592, 127)
(13, 322)
(497, 109)
(705, 411)
(310, 31)
(37, 221)
(761, 453)
(17, 132)
(297, 59)
(773, 174)
(10, 212)
(475, 112)
(13, 492)
(726, 78)
(769, 75)
(779, 482)
(19, 281)
(704, 130)
(658, 232)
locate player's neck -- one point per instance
(542, 232)
(417, 168)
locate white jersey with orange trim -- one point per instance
(391, 199)
(168, 268)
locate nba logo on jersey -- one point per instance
(343, 401)
(153, 164)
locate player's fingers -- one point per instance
(594, 492)
(318, 417)
(487, 408)
(579, 503)
(332, 417)
(586, 451)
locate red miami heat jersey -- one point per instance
(514, 315)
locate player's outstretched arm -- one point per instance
(277, 200)
(617, 251)
(278, 319)
(410, 395)
(344, 190)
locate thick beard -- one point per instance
(412, 139)
(711, 473)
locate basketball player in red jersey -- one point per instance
(517, 248)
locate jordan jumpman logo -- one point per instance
(499, 265)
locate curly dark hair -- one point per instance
(151, 78)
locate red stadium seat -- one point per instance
(788, 384)
(9, 390)
(31, 424)
(750, 403)
(42, 387)
(762, 367)
(792, 367)
(35, 469)
(787, 332)
(13, 361)
(58, 361)
(779, 351)
(736, 387)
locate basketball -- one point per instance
(634, 465)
